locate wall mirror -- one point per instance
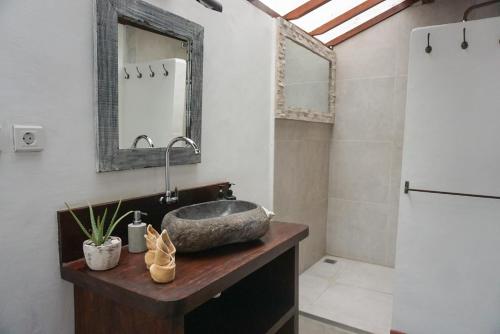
(149, 85)
(305, 76)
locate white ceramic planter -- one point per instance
(102, 257)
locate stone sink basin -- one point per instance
(202, 226)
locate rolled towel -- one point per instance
(151, 237)
(163, 268)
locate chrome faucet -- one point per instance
(172, 196)
(146, 138)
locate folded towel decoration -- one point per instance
(160, 257)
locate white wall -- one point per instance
(448, 250)
(46, 78)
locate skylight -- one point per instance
(358, 20)
(325, 13)
(333, 21)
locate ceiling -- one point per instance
(333, 21)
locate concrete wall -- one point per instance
(366, 151)
(300, 186)
(47, 79)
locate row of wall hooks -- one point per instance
(464, 45)
(139, 73)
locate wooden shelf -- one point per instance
(256, 304)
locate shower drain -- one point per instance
(330, 261)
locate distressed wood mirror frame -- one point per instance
(108, 13)
(295, 34)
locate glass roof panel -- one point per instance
(325, 13)
(358, 20)
(329, 11)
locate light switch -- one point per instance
(28, 138)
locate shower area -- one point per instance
(337, 289)
(343, 178)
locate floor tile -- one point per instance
(367, 276)
(350, 293)
(359, 308)
(326, 270)
(310, 289)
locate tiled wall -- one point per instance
(301, 181)
(366, 150)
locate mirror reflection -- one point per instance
(307, 79)
(152, 76)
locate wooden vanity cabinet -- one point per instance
(257, 282)
(241, 288)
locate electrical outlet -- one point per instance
(28, 138)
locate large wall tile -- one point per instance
(286, 187)
(360, 171)
(396, 184)
(357, 230)
(374, 54)
(313, 248)
(301, 171)
(299, 130)
(364, 109)
(399, 110)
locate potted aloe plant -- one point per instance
(101, 250)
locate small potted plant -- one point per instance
(101, 250)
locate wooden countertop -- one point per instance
(199, 276)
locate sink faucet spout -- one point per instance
(172, 196)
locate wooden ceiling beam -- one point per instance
(304, 9)
(370, 23)
(264, 8)
(364, 6)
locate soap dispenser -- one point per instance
(136, 232)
